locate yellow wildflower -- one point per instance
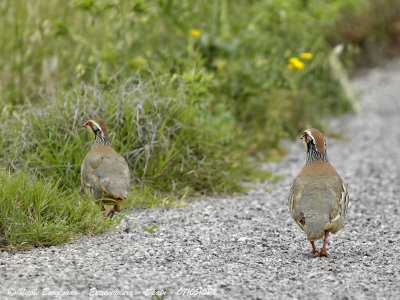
(234, 165)
(195, 32)
(221, 64)
(306, 55)
(295, 63)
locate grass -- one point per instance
(188, 89)
(161, 127)
(151, 229)
(35, 213)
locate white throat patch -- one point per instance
(96, 124)
(311, 136)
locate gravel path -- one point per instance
(247, 246)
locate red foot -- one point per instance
(321, 254)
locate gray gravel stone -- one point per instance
(247, 246)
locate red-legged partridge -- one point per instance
(104, 173)
(318, 198)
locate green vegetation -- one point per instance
(151, 229)
(167, 135)
(189, 90)
(35, 213)
(372, 34)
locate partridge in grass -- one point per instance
(104, 173)
(318, 198)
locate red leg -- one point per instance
(314, 249)
(113, 211)
(323, 249)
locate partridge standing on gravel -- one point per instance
(104, 173)
(318, 198)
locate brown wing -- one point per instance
(337, 220)
(105, 173)
(292, 207)
(91, 181)
(343, 201)
(114, 176)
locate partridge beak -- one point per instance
(84, 125)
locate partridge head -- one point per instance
(318, 198)
(104, 173)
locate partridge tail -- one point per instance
(314, 226)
